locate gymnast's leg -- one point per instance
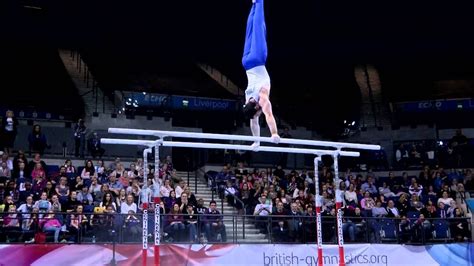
(255, 48)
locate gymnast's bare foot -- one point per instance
(275, 138)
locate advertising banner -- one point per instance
(229, 254)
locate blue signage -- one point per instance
(176, 102)
(437, 106)
(196, 103)
(151, 100)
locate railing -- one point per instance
(102, 228)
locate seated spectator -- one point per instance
(461, 197)
(38, 171)
(27, 192)
(415, 189)
(445, 199)
(77, 184)
(442, 211)
(72, 202)
(291, 187)
(170, 201)
(121, 198)
(95, 189)
(175, 223)
(430, 210)
(191, 223)
(114, 185)
(378, 210)
(51, 224)
(11, 223)
(166, 189)
(452, 209)
(348, 226)
(133, 172)
(94, 146)
(245, 197)
(85, 198)
(37, 140)
(79, 224)
(5, 206)
(49, 189)
(302, 197)
(367, 204)
(191, 197)
(459, 227)
(415, 203)
(70, 169)
(351, 196)
(262, 211)
(369, 186)
(43, 204)
(403, 205)
(213, 224)
(132, 224)
(385, 191)
(327, 203)
(20, 157)
(180, 188)
(104, 221)
(280, 232)
(135, 189)
(129, 205)
(39, 184)
(165, 172)
(230, 193)
(62, 190)
(295, 223)
(392, 211)
(5, 170)
(55, 204)
(431, 195)
(421, 229)
(108, 200)
(88, 172)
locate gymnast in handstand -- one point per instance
(257, 94)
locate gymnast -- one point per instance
(257, 94)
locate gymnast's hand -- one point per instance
(275, 138)
(255, 146)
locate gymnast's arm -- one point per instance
(266, 106)
(255, 126)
